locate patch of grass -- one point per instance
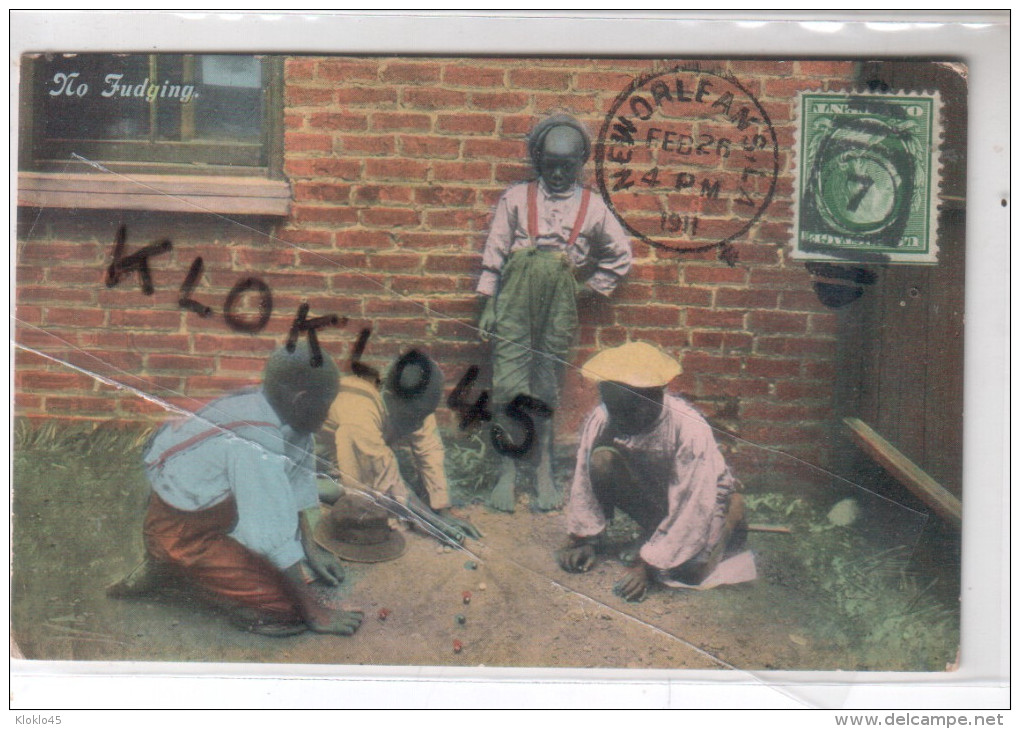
(96, 447)
(882, 609)
(79, 492)
(471, 466)
(72, 463)
(471, 463)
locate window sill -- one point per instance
(165, 193)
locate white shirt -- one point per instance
(601, 244)
(678, 455)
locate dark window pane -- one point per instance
(167, 109)
(83, 97)
(229, 98)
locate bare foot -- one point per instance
(339, 622)
(549, 497)
(502, 497)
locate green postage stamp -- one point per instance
(867, 177)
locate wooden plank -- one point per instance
(225, 205)
(154, 184)
(168, 193)
(906, 471)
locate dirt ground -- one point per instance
(523, 611)
(77, 529)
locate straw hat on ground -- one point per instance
(357, 530)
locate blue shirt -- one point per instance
(237, 446)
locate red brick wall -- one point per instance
(395, 166)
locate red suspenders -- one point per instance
(533, 211)
(533, 214)
(196, 439)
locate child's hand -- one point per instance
(634, 584)
(325, 566)
(577, 556)
(487, 319)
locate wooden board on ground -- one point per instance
(906, 471)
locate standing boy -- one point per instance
(551, 243)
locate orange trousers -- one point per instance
(195, 545)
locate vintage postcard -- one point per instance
(530, 361)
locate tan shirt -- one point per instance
(364, 445)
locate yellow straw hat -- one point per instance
(637, 364)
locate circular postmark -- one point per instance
(687, 159)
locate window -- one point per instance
(193, 123)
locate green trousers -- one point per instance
(536, 320)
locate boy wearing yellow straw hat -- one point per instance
(650, 454)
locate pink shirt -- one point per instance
(678, 455)
(601, 245)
